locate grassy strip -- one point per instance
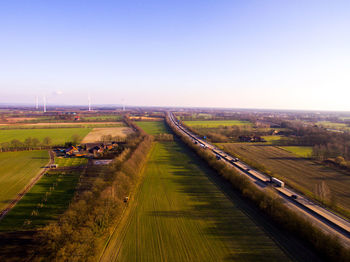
(70, 162)
(123, 218)
(329, 247)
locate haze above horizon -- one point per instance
(234, 54)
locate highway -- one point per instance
(320, 216)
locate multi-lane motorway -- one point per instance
(320, 216)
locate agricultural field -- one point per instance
(335, 126)
(20, 119)
(178, 214)
(302, 151)
(146, 118)
(58, 135)
(17, 169)
(275, 139)
(102, 118)
(216, 123)
(70, 162)
(62, 125)
(97, 134)
(197, 116)
(47, 199)
(300, 173)
(153, 127)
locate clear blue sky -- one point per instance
(252, 54)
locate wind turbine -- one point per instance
(36, 102)
(44, 98)
(123, 103)
(89, 101)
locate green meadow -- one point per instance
(58, 135)
(46, 200)
(217, 123)
(153, 127)
(302, 151)
(17, 169)
(178, 214)
(70, 161)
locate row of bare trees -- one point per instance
(27, 144)
(31, 143)
(271, 205)
(78, 234)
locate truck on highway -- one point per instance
(277, 182)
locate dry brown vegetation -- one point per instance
(97, 134)
(19, 119)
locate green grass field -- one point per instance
(16, 171)
(54, 202)
(217, 123)
(332, 125)
(58, 135)
(58, 125)
(102, 118)
(178, 214)
(274, 140)
(153, 127)
(70, 162)
(303, 151)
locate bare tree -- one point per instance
(323, 192)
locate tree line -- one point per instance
(98, 203)
(31, 143)
(327, 146)
(270, 204)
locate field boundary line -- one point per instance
(122, 217)
(34, 180)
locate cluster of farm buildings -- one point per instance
(88, 150)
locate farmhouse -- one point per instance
(251, 139)
(72, 150)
